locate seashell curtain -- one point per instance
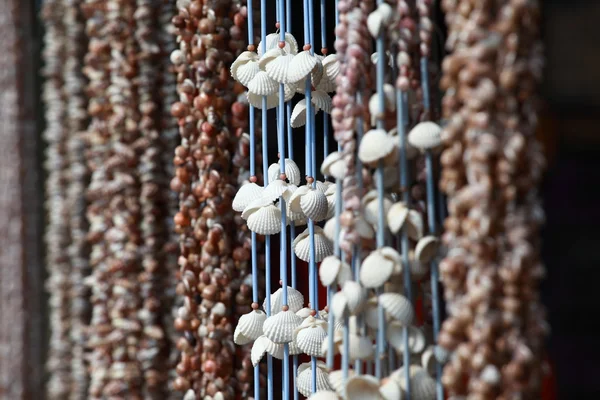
(237, 210)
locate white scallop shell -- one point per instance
(314, 205)
(298, 117)
(416, 337)
(256, 101)
(329, 229)
(391, 390)
(322, 101)
(331, 67)
(363, 387)
(363, 228)
(414, 225)
(389, 97)
(296, 218)
(294, 200)
(326, 84)
(262, 85)
(398, 307)
(428, 361)
(276, 189)
(337, 381)
(272, 42)
(263, 345)
(269, 57)
(411, 151)
(302, 65)
(356, 295)
(277, 68)
(396, 216)
(371, 316)
(246, 72)
(331, 203)
(375, 58)
(375, 23)
(291, 171)
(376, 269)
(249, 327)
(338, 338)
(323, 246)
(371, 211)
(422, 386)
(334, 165)
(304, 379)
(304, 312)
(279, 328)
(245, 195)
(254, 206)
(425, 135)
(265, 221)
(322, 186)
(426, 249)
(324, 395)
(360, 347)
(332, 270)
(375, 145)
(294, 349)
(295, 300)
(339, 306)
(316, 76)
(310, 339)
(244, 58)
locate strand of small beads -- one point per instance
(203, 162)
(57, 236)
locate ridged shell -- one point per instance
(323, 246)
(356, 295)
(396, 216)
(339, 306)
(245, 195)
(338, 338)
(322, 186)
(314, 205)
(294, 200)
(269, 57)
(304, 312)
(391, 390)
(329, 229)
(361, 347)
(324, 395)
(265, 221)
(309, 339)
(334, 165)
(416, 337)
(277, 69)
(331, 67)
(302, 65)
(375, 270)
(246, 72)
(243, 59)
(256, 101)
(276, 189)
(303, 382)
(326, 84)
(426, 249)
(425, 135)
(295, 300)
(322, 101)
(279, 328)
(254, 206)
(363, 387)
(298, 117)
(249, 327)
(293, 349)
(332, 270)
(296, 218)
(331, 204)
(411, 151)
(371, 211)
(414, 227)
(272, 41)
(422, 386)
(428, 361)
(375, 58)
(337, 381)
(370, 314)
(262, 85)
(263, 345)
(316, 76)
(398, 307)
(389, 98)
(291, 171)
(375, 145)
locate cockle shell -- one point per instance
(426, 249)
(356, 295)
(277, 68)
(326, 85)
(309, 336)
(375, 145)
(302, 65)
(292, 171)
(416, 337)
(246, 72)
(304, 379)
(296, 218)
(428, 361)
(269, 57)
(425, 135)
(279, 328)
(294, 349)
(332, 270)
(255, 205)
(389, 98)
(245, 195)
(314, 205)
(322, 186)
(265, 221)
(388, 56)
(370, 313)
(371, 211)
(329, 229)
(294, 200)
(322, 101)
(295, 300)
(379, 266)
(397, 306)
(276, 189)
(263, 345)
(360, 347)
(391, 390)
(363, 387)
(249, 327)
(298, 117)
(337, 381)
(324, 395)
(339, 306)
(411, 151)
(304, 312)
(331, 193)
(396, 216)
(338, 338)
(256, 101)
(323, 246)
(334, 165)
(243, 59)
(331, 67)
(378, 20)
(414, 227)
(422, 386)
(272, 41)
(262, 85)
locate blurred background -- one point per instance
(569, 129)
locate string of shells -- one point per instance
(492, 165)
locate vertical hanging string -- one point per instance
(281, 131)
(324, 52)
